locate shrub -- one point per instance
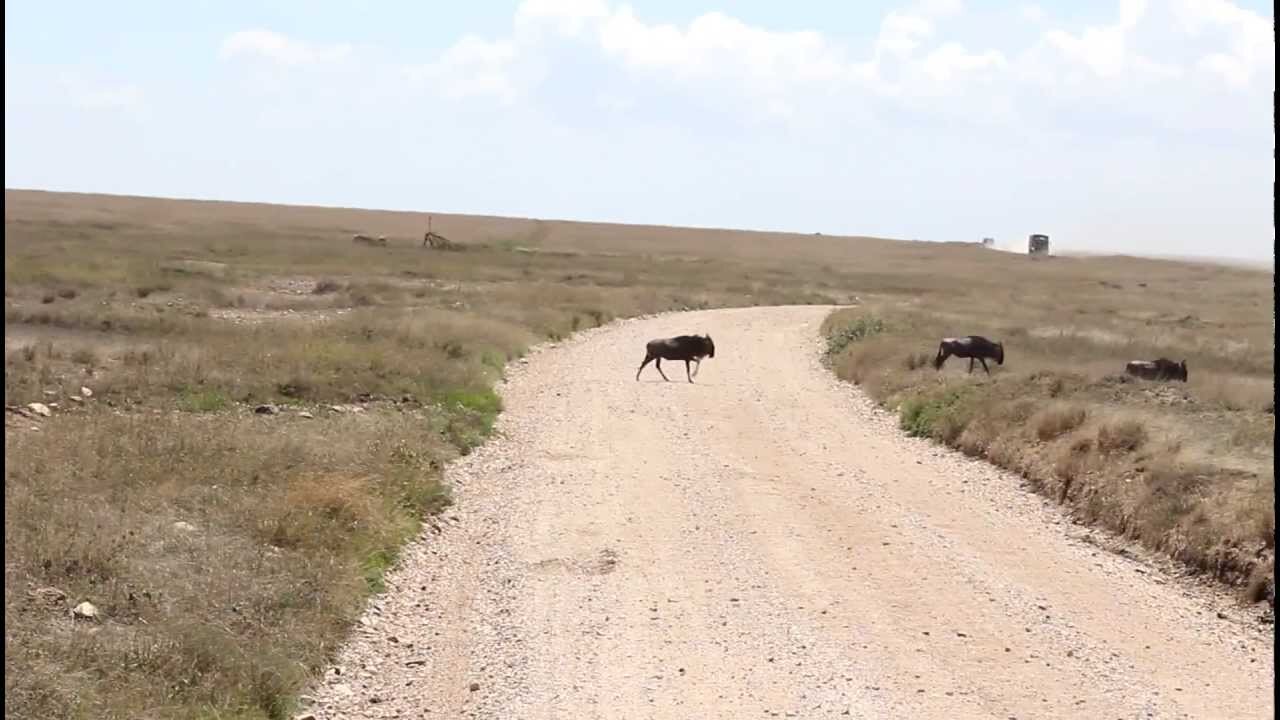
(1058, 420)
(1121, 436)
(857, 330)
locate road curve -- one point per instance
(764, 543)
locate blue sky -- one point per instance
(1122, 126)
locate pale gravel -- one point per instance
(766, 543)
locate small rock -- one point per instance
(1222, 615)
(475, 687)
(49, 595)
(76, 398)
(40, 409)
(305, 414)
(86, 392)
(184, 526)
(51, 393)
(85, 610)
(305, 716)
(266, 410)
(337, 409)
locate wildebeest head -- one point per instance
(1182, 370)
(1000, 353)
(711, 346)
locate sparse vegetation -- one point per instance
(1186, 469)
(229, 551)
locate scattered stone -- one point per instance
(76, 398)
(40, 409)
(475, 687)
(337, 409)
(415, 662)
(266, 410)
(86, 392)
(85, 611)
(305, 414)
(184, 526)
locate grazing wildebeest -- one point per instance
(689, 348)
(1159, 369)
(974, 347)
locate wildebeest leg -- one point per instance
(970, 364)
(657, 363)
(984, 365)
(697, 363)
(647, 360)
(686, 371)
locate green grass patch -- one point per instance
(857, 330)
(203, 400)
(940, 415)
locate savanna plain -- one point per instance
(224, 421)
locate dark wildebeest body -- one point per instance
(689, 348)
(974, 347)
(1160, 369)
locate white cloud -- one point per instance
(728, 63)
(1104, 50)
(568, 17)
(1033, 14)
(1251, 37)
(474, 67)
(279, 48)
(952, 59)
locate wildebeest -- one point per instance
(974, 347)
(689, 348)
(360, 239)
(1159, 369)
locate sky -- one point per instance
(1130, 126)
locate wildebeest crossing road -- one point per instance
(764, 543)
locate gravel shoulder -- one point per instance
(765, 542)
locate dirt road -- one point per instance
(764, 543)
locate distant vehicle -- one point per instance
(988, 242)
(1038, 245)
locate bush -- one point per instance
(857, 330)
(1121, 436)
(942, 416)
(1058, 420)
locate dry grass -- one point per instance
(186, 315)
(1184, 468)
(181, 316)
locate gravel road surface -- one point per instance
(765, 543)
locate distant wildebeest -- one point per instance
(360, 239)
(1160, 369)
(974, 347)
(689, 348)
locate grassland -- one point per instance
(228, 550)
(1185, 469)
